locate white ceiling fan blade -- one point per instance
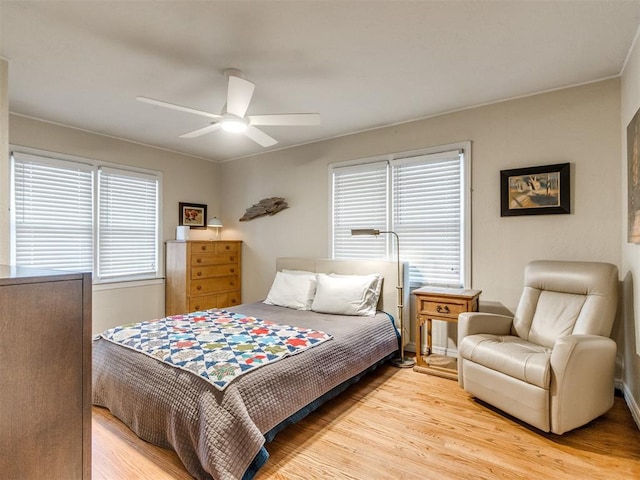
(259, 137)
(239, 95)
(201, 131)
(180, 108)
(285, 119)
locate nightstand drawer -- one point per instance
(441, 308)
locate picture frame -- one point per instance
(539, 190)
(193, 215)
(633, 179)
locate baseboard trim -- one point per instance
(449, 352)
(631, 403)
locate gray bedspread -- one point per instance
(217, 434)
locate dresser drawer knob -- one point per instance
(232, 270)
(196, 307)
(199, 287)
(198, 260)
(441, 309)
(204, 247)
(199, 274)
(227, 247)
(232, 283)
(232, 258)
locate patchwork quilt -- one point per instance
(217, 345)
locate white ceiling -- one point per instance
(360, 64)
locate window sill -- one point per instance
(116, 284)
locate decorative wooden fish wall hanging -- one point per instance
(266, 206)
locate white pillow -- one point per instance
(292, 290)
(299, 272)
(347, 294)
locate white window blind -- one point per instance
(71, 215)
(359, 201)
(421, 198)
(128, 223)
(52, 213)
(427, 207)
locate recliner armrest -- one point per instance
(582, 380)
(567, 352)
(471, 323)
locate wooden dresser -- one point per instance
(202, 275)
(45, 360)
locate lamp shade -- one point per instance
(214, 222)
(365, 231)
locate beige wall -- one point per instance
(629, 333)
(578, 125)
(4, 153)
(185, 179)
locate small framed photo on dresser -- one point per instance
(193, 215)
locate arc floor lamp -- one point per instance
(401, 361)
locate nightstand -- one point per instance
(445, 304)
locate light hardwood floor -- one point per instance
(399, 424)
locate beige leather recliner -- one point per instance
(552, 365)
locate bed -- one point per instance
(221, 433)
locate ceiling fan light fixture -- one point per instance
(234, 125)
(234, 116)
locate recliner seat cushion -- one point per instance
(510, 355)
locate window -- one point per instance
(359, 201)
(423, 197)
(127, 226)
(72, 215)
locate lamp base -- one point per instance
(403, 363)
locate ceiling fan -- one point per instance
(233, 117)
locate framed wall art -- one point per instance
(538, 190)
(193, 215)
(633, 180)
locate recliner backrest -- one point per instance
(563, 298)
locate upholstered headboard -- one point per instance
(388, 301)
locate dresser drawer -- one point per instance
(212, 285)
(444, 308)
(214, 247)
(229, 299)
(204, 302)
(226, 247)
(203, 259)
(215, 300)
(214, 271)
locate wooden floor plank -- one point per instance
(399, 424)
